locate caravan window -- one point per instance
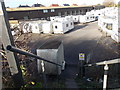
(36, 27)
(66, 25)
(109, 26)
(56, 27)
(119, 30)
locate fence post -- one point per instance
(105, 76)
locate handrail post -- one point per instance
(106, 68)
(44, 75)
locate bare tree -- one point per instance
(109, 3)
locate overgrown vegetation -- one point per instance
(6, 75)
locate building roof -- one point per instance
(38, 5)
(74, 5)
(23, 6)
(41, 8)
(54, 5)
(66, 4)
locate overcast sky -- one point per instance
(15, 3)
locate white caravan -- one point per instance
(61, 27)
(47, 27)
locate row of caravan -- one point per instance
(110, 26)
(57, 24)
(109, 23)
(75, 18)
(46, 26)
(87, 18)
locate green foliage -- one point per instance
(24, 71)
(27, 78)
(38, 85)
(32, 85)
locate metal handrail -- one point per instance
(16, 50)
(106, 68)
(114, 61)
